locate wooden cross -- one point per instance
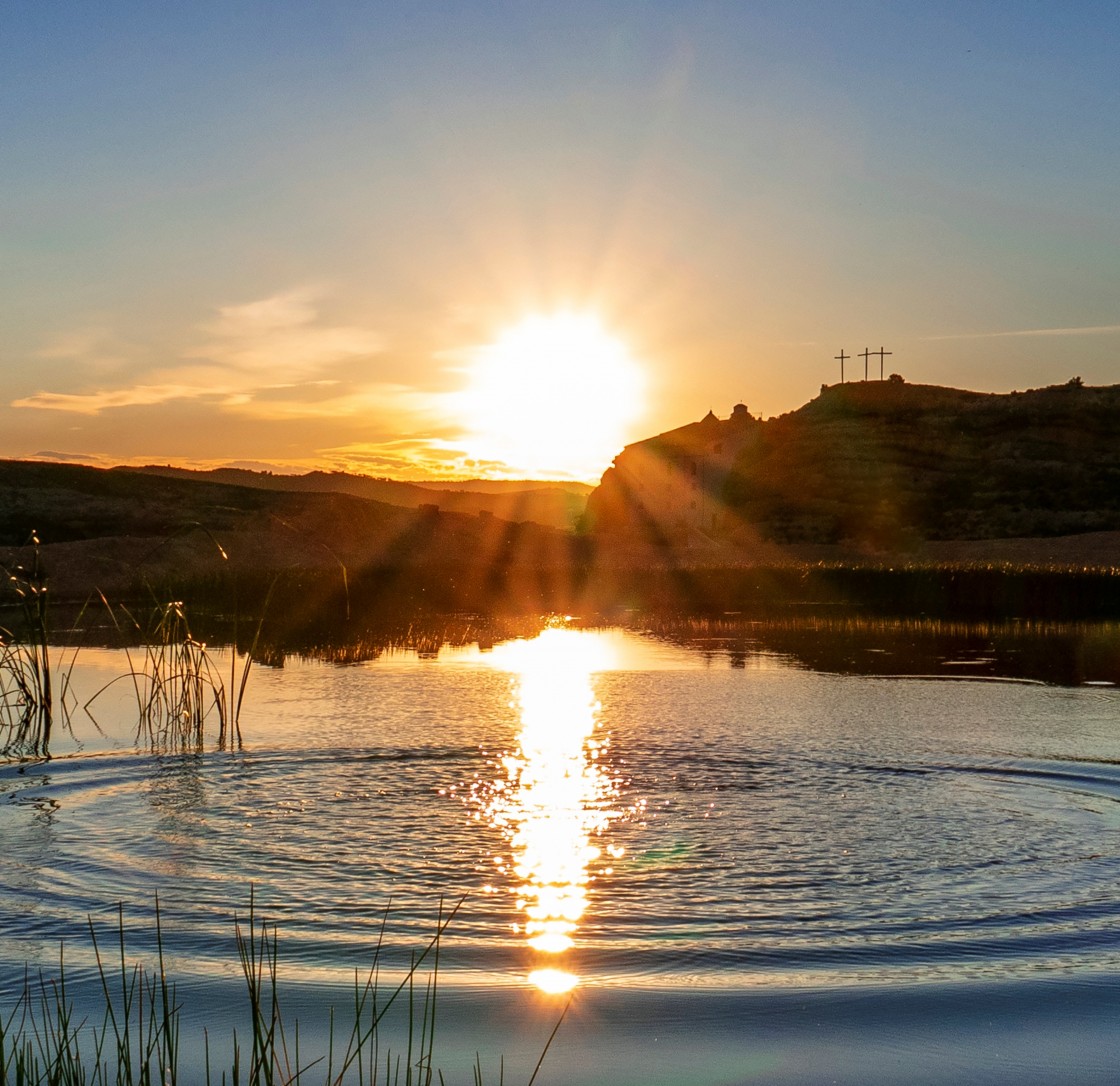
(840, 358)
(865, 356)
(880, 352)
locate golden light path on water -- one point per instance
(556, 798)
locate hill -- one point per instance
(558, 505)
(882, 464)
(145, 537)
(120, 530)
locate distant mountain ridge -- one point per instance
(555, 504)
(882, 463)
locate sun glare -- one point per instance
(556, 799)
(553, 395)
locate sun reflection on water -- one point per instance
(556, 797)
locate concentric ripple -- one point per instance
(746, 826)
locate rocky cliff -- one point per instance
(884, 463)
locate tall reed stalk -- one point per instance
(137, 1040)
(176, 683)
(31, 698)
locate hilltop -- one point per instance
(557, 504)
(876, 464)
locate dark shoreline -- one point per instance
(331, 592)
(976, 593)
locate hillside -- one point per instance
(558, 505)
(884, 464)
(119, 529)
(143, 537)
(883, 461)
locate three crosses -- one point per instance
(867, 353)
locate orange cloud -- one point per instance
(282, 335)
(93, 403)
(249, 350)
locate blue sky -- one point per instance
(276, 232)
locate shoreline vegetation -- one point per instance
(131, 1033)
(340, 616)
(185, 696)
(890, 586)
(1062, 578)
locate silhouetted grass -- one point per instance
(134, 1037)
(176, 684)
(965, 591)
(34, 681)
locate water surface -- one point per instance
(747, 867)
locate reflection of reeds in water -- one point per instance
(684, 626)
(1064, 653)
(44, 1041)
(426, 637)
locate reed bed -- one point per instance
(34, 680)
(134, 1037)
(176, 684)
(948, 591)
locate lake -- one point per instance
(795, 853)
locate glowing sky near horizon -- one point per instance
(288, 234)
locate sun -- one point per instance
(552, 395)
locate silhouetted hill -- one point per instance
(119, 529)
(883, 464)
(559, 505)
(883, 461)
(141, 536)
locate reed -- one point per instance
(136, 1039)
(34, 685)
(176, 684)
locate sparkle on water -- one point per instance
(555, 799)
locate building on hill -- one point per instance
(670, 487)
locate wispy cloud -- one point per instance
(93, 403)
(73, 458)
(417, 457)
(282, 336)
(369, 401)
(1084, 330)
(241, 359)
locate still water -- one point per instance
(746, 865)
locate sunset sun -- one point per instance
(552, 394)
